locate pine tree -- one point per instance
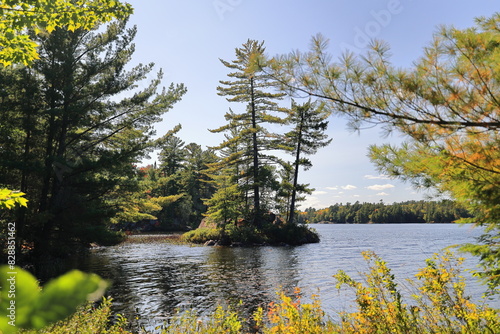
(81, 139)
(308, 123)
(251, 87)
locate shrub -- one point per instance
(291, 234)
(246, 234)
(201, 235)
(290, 315)
(222, 321)
(441, 305)
(87, 320)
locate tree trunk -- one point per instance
(256, 194)
(296, 171)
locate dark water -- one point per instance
(153, 280)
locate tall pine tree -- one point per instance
(251, 87)
(307, 135)
(82, 140)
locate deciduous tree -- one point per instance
(17, 18)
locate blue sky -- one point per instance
(187, 38)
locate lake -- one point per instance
(151, 281)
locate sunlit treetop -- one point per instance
(18, 17)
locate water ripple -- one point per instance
(153, 280)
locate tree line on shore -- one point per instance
(439, 212)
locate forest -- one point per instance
(74, 130)
(77, 119)
(434, 212)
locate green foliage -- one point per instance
(446, 105)
(309, 124)
(226, 205)
(248, 234)
(24, 305)
(9, 199)
(182, 172)
(245, 234)
(201, 235)
(291, 234)
(17, 17)
(249, 141)
(487, 250)
(100, 235)
(71, 145)
(88, 320)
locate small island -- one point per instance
(272, 230)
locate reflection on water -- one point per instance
(153, 280)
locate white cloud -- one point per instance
(356, 196)
(380, 186)
(310, 202)
(377, 177)
(349, 187)
(319, 192)
(382, 194)
(332, 188)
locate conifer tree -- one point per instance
(82, 141)
(308, 123)
(251, 87)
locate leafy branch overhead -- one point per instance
(9, 199)
(18, 18)
(452, 86)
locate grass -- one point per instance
(153, 238)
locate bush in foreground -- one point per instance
(88, 320)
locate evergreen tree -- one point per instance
(226, 205)
(307, 135)
(181, 174)
(82, 142)
(250, 86)
(171, 155)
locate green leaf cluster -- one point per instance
(24, 305)
(17, 18)
(10, 199)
